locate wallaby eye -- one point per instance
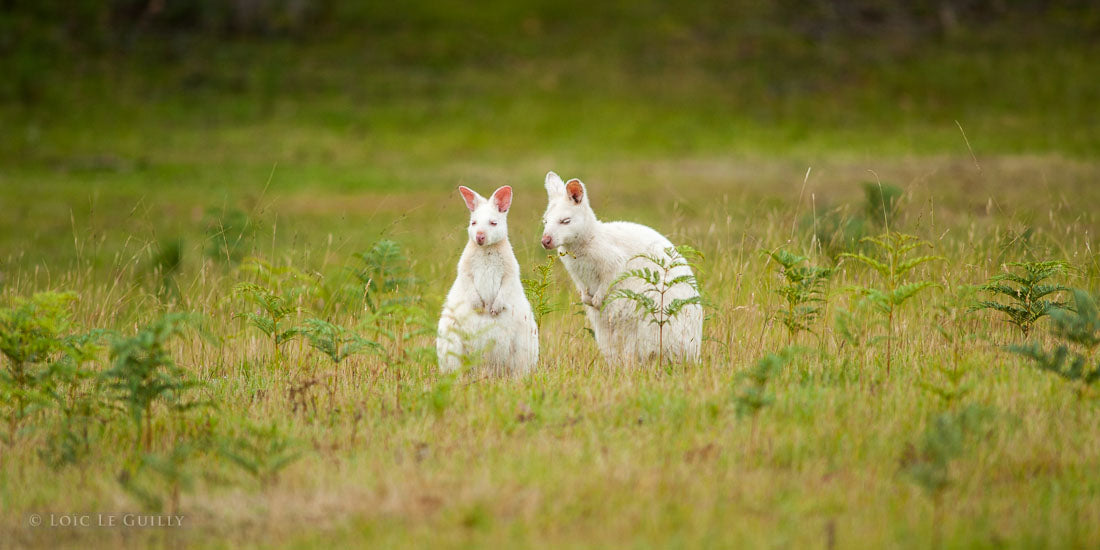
(473, 223)
(565, 221)
(492, 222)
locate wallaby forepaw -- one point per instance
(591, 300)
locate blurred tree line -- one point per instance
(38, 37)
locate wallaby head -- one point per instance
(488, 218)
(568, 215)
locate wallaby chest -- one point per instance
(487, 271)
(594, 272)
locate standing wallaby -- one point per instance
(487, 321)
(595, 254)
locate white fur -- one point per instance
(595, 253)
(486, 320)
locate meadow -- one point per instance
(220, 277)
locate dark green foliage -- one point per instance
(229, 235)
(658, 283)
(538, 290)
(395, 315)
(881, 202)
(273, 317)
(70, 442)
(837, 232)
(42, 354)
(335, 341)
(34, 329)
(262, 452)
(172, 472)
(893, 263)
(441, 393)
(752, 395)
(1027, 291)
(1079, 330)
(946, 438)
(1062, 361)
(384, 274)
(143, 374)
(950, 322)
(275, 295)
(166, 262)
(168, 257)
(952, 389)
(803, 292)
(1079, 325)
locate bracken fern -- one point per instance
(1079, 330)
(1026, 291)
(658, 282)
(803, 291)
(894, 263)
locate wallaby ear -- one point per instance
(502, 198)
(575, 190)
(554, 186)
(471, 197)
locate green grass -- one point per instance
(330, 145)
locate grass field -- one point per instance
(144, 188)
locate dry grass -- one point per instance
(586, 454)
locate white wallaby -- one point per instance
(595, 253)
(487, 321)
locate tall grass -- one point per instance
(285, 450)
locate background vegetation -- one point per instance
(227, 228)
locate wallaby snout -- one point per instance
(547, 242)
(480, 238)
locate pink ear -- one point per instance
(575, 190)
(469, 196)
(503, 198)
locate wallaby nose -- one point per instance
(547, 241)
(480, 237)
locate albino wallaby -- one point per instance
(595, 254)
(487, 321)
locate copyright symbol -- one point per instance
(35, 520)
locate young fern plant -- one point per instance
(803, 292)
(275, 294)
(1028, 292)
(273, 315)
(946, 439)
(262, 452)
(1079, 331)
(538, 290)
(144, 374)
(752, 396)
(175, 470)
(951, 317)
(334, 341)
(393, 314)
(384, 273)
(894, 262)
(658, 281)
(42, 355)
